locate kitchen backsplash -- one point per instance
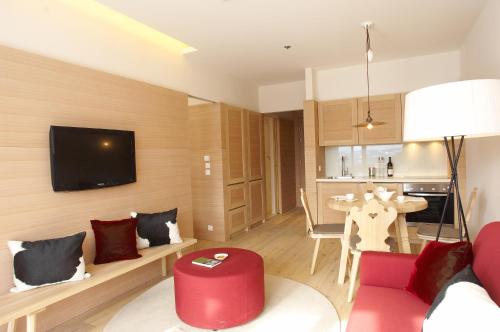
(409, 159)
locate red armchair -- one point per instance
(383, 305)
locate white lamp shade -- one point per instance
(470, 108)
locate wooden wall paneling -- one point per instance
(314, 155)
(287, 165)
(235, 144)
(336, 120)
(205, 137)
(36, 92)
(387, 109)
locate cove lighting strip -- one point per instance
(99, 11)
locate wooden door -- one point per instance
(271, 161)
(237, 219)
(336, 121)
(385, 109)
(287, 165)
(256, 193)
(236, 196)
(235, 144)
(255, 146)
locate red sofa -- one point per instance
(381, 302)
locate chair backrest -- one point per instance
(470, 205)
(309, 221)
(373, 221)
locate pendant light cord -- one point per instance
(368, 47)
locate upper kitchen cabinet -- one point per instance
(336, 121)
(386, 109)
(234, 130)
(255, 146)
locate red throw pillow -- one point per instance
(435, 265)
(115, 240)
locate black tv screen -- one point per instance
(86, 158)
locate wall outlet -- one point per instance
(210, 228)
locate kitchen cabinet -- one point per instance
(336, 121)
(326, 190)
(386, 109)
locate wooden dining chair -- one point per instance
(319, 231)
(449, 234)
(373, 221)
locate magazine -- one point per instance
(206, 262)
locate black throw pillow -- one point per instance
(156, 229)
(46, 262)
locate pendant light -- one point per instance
(369, 122)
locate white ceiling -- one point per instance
(245, 37)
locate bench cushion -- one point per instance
(115, 240)
(156, 229)
(47, 262)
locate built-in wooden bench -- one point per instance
(30, 303)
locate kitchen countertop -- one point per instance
(406, 179)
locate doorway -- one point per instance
(284, 160)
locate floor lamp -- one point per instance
(453, 111)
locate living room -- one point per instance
(257, 129)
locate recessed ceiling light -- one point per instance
(287, 47)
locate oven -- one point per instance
(435, 194)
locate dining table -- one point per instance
(410, 204)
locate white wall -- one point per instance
(481, 59)
(402, 75)
(58, 30)
(288, 96)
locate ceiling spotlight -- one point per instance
(287, 47)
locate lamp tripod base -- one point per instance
(453, 153)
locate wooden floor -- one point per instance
(282, 242)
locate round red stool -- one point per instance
(224, 296)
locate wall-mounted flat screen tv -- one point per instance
(87, 158)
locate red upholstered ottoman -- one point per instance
(224, 296)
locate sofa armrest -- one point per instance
(384, 269)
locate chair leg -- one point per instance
(354, 274)
(422, 246)
(315, 255)
(344, 257)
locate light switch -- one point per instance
(206, 158)
(207, 171)
(210, 228)
(207, 165)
